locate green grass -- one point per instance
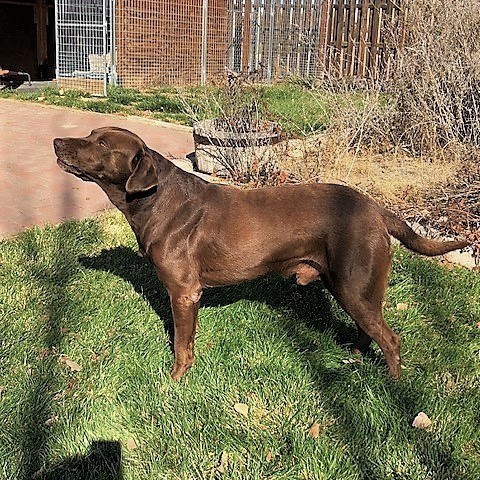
(300, 110)
(80, 290)
(162, 104)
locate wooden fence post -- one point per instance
(246, 36)
(322, 48)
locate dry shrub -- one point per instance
(432, 100)
(386, 176)
(364, 122)
(437, 80)
(415, 129)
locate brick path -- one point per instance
(34, 190)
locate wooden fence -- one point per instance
(314, 38)
(362, 38)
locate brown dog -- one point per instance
(199, 234)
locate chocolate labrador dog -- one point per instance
(198, 234)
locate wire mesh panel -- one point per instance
(83, 57)
(173, 42)
(145, 43)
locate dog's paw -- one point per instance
(178, 371)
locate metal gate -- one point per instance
(84, 44)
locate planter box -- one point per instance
(222, 146)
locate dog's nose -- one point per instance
(58, 143)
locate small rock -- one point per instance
(465, 258)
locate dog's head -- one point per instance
(109, 156)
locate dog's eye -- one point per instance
(102, 143)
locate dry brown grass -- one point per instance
(388, 177)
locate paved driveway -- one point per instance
(33, 190)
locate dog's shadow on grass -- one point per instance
(311, 303)
(312, 307)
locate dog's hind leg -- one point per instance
(371, 324)
(359, 284)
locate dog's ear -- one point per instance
(144, 175)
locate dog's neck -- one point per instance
(174, 187)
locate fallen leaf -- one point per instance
(402, 306)
(223, 464)
(421, 421)
(450, 385)
(59, 395)
(241, 408)
(38, 474)
(50, 421)
(131, 444)
(74, 366)
(268, 456)
(478, 324)
(314, 431)
(67, 391)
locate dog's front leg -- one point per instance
(185, 304)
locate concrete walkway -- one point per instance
(34, 190)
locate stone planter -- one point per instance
(228, 146)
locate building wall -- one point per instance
(160, 41)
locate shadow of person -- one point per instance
(102, 462)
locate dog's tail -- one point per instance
(401, 231)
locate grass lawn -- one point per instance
(85, 390)
(298, 109)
